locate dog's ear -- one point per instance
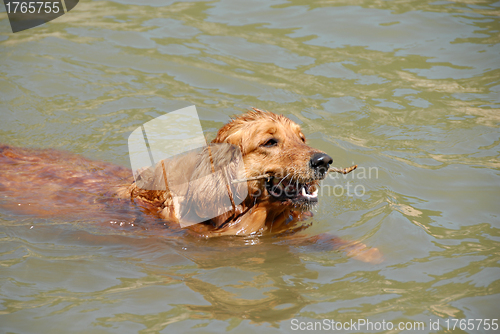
(211, 194)
(231, 133)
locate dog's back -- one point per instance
(47, 183)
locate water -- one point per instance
(406, 90)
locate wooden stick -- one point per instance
(343, 171)
(265, 176)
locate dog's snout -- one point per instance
(321, 161)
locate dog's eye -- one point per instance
(271, 142)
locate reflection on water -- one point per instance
(409, 88)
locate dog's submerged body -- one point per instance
(53, 183)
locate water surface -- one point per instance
(409, 91)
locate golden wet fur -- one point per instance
(258, 213)
(54, 183)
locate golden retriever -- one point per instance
(270, 145)
(283, 172)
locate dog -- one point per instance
(281, 178)
(270, 145)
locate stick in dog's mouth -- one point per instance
(267, 176)
(342, 170)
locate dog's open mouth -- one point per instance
(296, 192)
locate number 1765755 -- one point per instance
(472, 324)
(33, 7)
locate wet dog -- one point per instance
(54, 183)
(270, 145)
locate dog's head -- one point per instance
(274, 145)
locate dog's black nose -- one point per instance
(321, 162)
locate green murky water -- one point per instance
(410, 89)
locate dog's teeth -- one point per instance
(305, 194)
